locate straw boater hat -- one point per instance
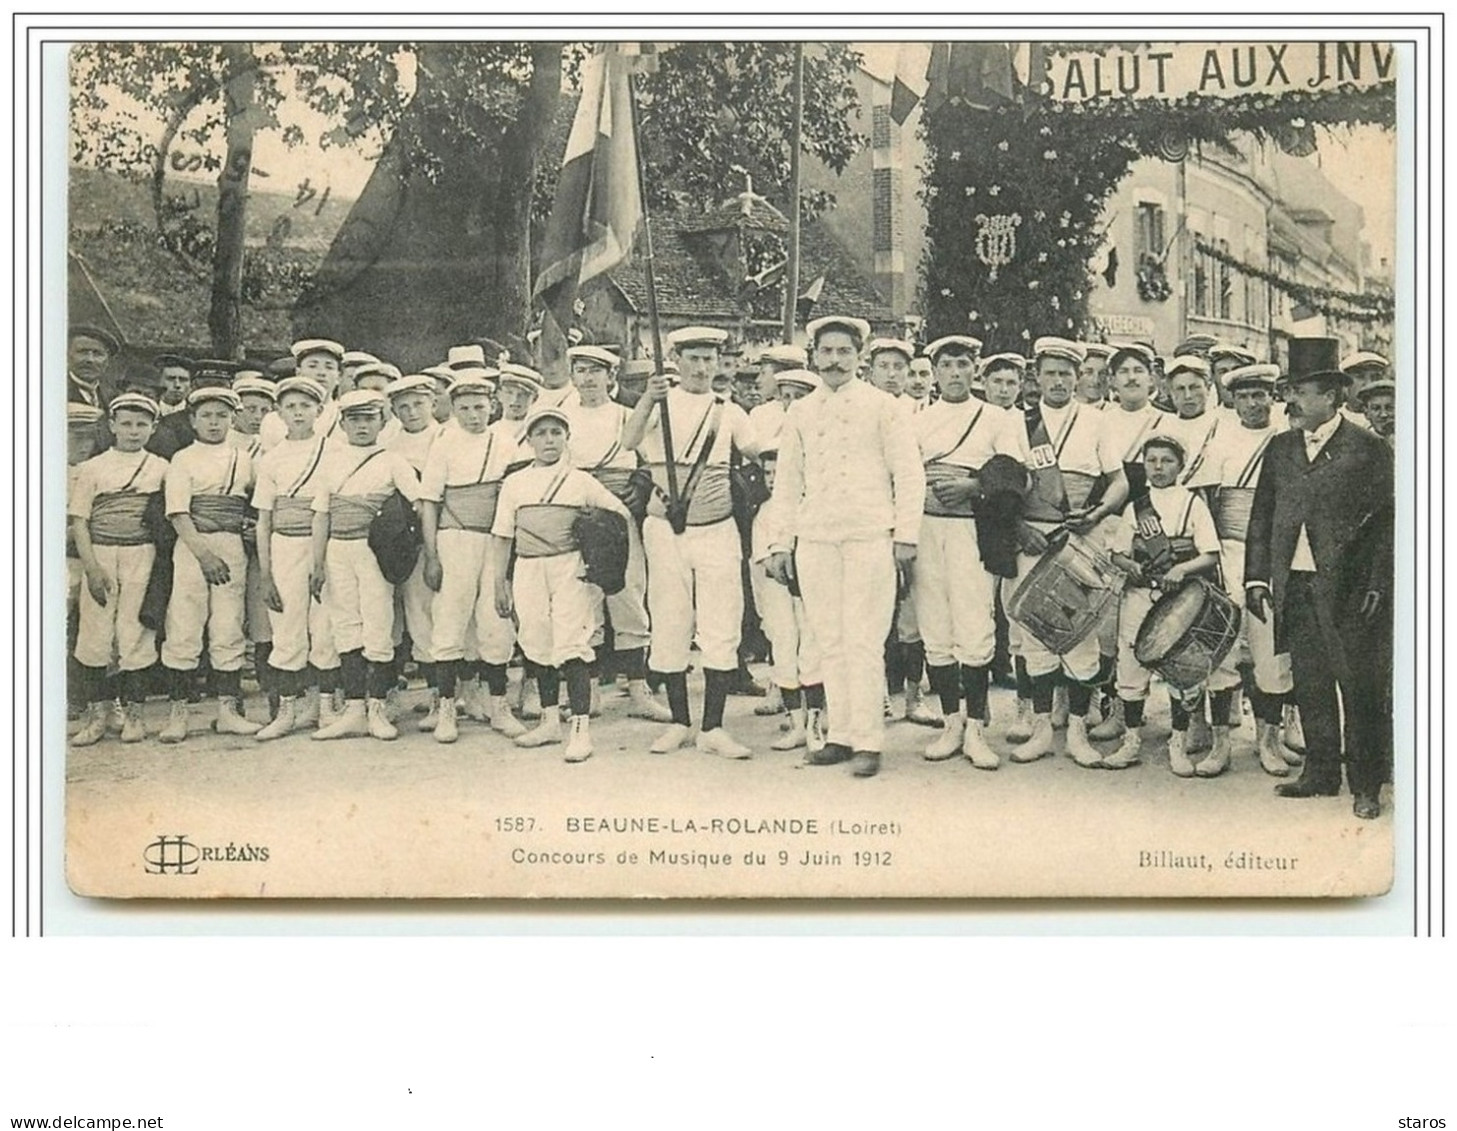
(1259, 376)
(959, 343)
(689, 337)
(541, 414)
(137, 401)
(306, 385)
(305, 346)
(414, 383)
(214, 393)
(361, 402)
(857, 328)
(1059, 348)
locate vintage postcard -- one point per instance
(743, 469)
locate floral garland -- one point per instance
(1373, 306)
(1055, 165)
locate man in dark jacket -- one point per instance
(1320, 561)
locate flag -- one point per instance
(805, 302)
(598, 205)
(908, 84)
(979, 74)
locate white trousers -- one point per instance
(302, 633)
(694, 588)
(361, 601)
(1133, 677)
(113, 631)
(849, 598)
(415, 600)
(954, 594)
(1080, 663)
(1256, 641)
(792, 640)
(555, 608)
(195, 607)
(467, 598)
(628, 609)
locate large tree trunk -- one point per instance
(225, 317)
(519, 152)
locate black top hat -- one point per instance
(1316, 359)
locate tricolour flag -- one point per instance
(908, 84)
(598, 205)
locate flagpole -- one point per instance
(657, 329)
(791, 268)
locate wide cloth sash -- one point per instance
(218, 514)
(350, 515)
(471, 506)
(618, 480)
(941, 473)
(1232, 507)
(293, 517)
(118, 519)
(712, 500)
(544, 530)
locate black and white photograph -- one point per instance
(749, 468)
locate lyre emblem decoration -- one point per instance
(996, 240)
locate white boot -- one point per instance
(229, 721)
(1217, 760)
(1272, 754)
(814, 729)
(544, 733)
(579, 739)
(175, 729)
(352, 722)
(719, 741)
(93, 725)
(796, 736)
(1129, 752)
(919, 709)
(974, 746)
(379, 723)
(947, 744)
(642, 705)
(133, 730)
(306, 709)
(1112, 724)
(674, 737)
(1294, 734)
(1179, 754)
(1079, 749)
(432, 713)
(283, 723)
(772, 705)
(446, 729)
(502, 720)
(1021, 728)
(1059, 707)
(1039, 742)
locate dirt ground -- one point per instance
(412, 817)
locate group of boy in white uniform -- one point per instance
(500, 568)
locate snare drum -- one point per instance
(1187, 632)
(1066, 594)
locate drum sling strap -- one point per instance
(1253, 467)
(302, 481)
(1154, 544)
(1198, 460)
(1046, 462)
(954, 448)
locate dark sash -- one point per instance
(1048, 501)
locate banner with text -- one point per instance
(1172, 71)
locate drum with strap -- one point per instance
(1187, 633)
(1066, 594)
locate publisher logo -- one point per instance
(172, 855)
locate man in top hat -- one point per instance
(850, 488)
(1319, 559)
(954, 593)
(694, 553)
(596, 424)
(175, 376)
(1236, 460)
